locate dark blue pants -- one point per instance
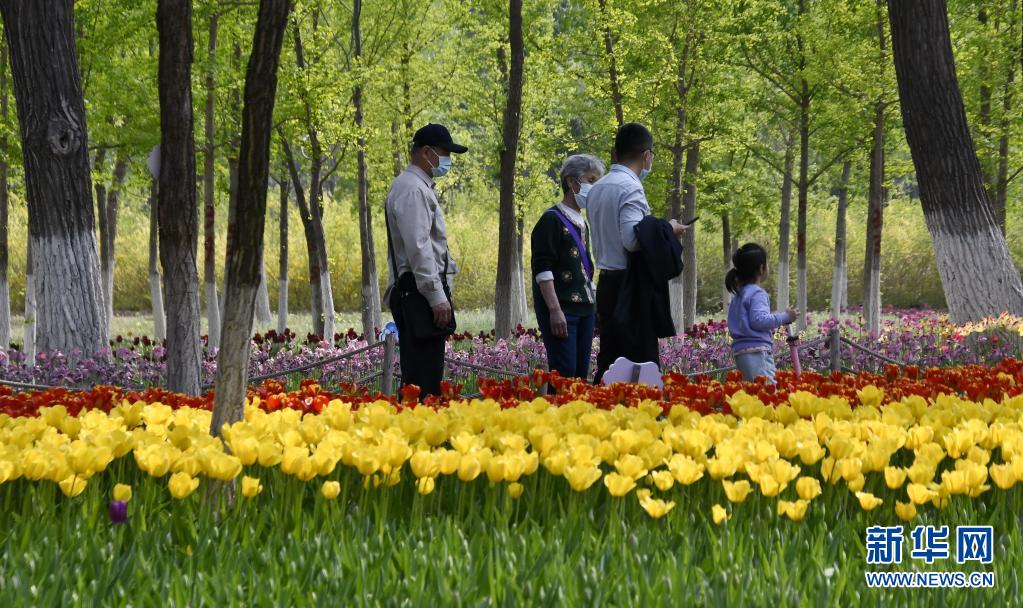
(569, 356)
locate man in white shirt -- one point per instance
(419, 261)
(615, 205)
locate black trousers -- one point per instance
(615, 340)
(422, 361)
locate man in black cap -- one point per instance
(419, 261)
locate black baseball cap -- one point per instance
(438, 136)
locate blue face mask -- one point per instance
(443, 166)
(580, 197)
(644, 172)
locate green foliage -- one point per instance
(443, 61)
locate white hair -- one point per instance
(577, 166)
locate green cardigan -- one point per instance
(554, 250)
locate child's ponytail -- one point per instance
(732, 282)
(746, 264)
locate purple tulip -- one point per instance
(118, 511)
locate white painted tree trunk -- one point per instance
(676, 297)
(784, 228)
(839, 270)
(213, 305)
(328, 305)
(30, 307)
(282, 305)
(263, 315)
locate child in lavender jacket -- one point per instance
(750, 320)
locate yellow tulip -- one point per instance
(718, 514)
(181, 485)
(905, 510)
(631, 466)
(856, 484)
(515, 489)
(919, 493)
(581, 477)
(73, 486)
(769, 486)
(469, 467)
(868, 502)
(223, 467)
(808, 488)
(794, 510)
(122, 492)
(737, 491)
(331, 489)
(425, 485)
(270, 454)
(655, 507)
(684, 469)
(619, 485)
(1002, 474)
(425, 463)
(8, 471)
(663, 480)
(251, 487)
(449, 461)
(246, 449)
(894, 477)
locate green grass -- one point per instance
(141, 324)
(466, 544)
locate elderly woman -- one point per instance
(564, 296)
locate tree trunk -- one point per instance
(264, 317)
(784, 227)
(1002, 183)
(323, 324)
(726, 250)
(371, 308)
(282, 289)
(155, 280)
(506, 247)
(209, 194)
(30, 305)
(5, 289)
(312, 252)
(689, 238)
(875, 226)
(247, 216)
(612, 63)
(108, 245)
(839, 270)
(232, 192)
(804, 190)
(178, 208)
(675, 186)
(51, 116)
(974, 263)
(99, 167)
(519, 283)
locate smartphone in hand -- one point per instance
(691, 222)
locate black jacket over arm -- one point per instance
(644, 308)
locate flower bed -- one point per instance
(825, 428)
(921, 338)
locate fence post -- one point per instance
(387, 375)
(835, 341)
